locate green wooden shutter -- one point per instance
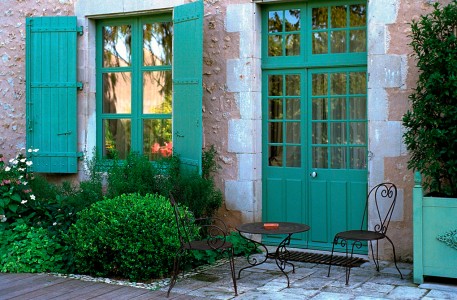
(187, 84)
(51, 93)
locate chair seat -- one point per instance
(360, 235)
(208, 245)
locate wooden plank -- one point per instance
(124, 292)
(27, 285)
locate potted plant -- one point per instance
(431, 139)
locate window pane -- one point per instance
(357, 41)
(338, 157)
(358, 15)
(292, 85)
(275, 85)
(357, 83)
(338, 84)
(358, 157)
(320, 157)
(320, 109)
(293, 109)
(338, 108)
(358, 133)
(275, 21)
(320, 44)
(339, 17)
(116, 138)
(293, 157)
(358, 108)
(293, 132)
(275, 109)
(338, 133)
(292, 18)
(157, 44)
(292, 44)
(275, 132)
(338, 41)
(157, 93)
(117, 46)
(274, 45)
(320, 18)
(275, 154)
(319, 84)
(319, 133)
(117, 93)
(157, 138)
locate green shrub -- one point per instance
(30, 250)
(129, 236)
(431, 124)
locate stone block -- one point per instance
(383, 11)
(243, 75)
(241, 135)
(385, 138)
(387, 71)
(377, 104)
(239, 195)
(250, 105)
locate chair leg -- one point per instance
(395, 258)
(375, 258)
(175, 270)
(232, 269)
(335, 241)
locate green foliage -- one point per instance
(130, 236)
(431, 124)
(31, 250)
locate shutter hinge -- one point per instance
(80, 155)
(80, 30)
(79, 85)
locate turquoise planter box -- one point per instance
(432, 217)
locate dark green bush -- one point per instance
(130, 236)
(431, 124)
(30, 250)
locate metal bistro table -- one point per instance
(281, 255)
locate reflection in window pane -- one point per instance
(292, 18)
(358, 108)
(358, 41)
(275, 85)
(320, 109)
(357, 83)
(338, 157)
(292, 85)
(338, 133)
(319, 84)
(358, 15)
(275, 21)
(320, 43)
(320, 157)
(275, 134)
(319, 133)
(157, 93)
(358, 133)
(339, 16)
(157, 138)
(338, 108)
(338, 84)
(293, 156)
(320, 18)
(338, 41)
(275, 154)
(117, 93)
(293, 109)
(293, 132)
(274, 45)
(116, 138)
(117, 46)
(292, 44)
(358, 157)
(157, 44)
(275, 109)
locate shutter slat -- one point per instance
(51, 87)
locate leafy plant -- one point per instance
(431, 124)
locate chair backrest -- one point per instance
(383, 196)
(181, 224)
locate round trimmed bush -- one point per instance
(130, 236)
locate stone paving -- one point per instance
(310, 281)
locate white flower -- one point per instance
(30, 150)
(21, 169)
(15, 162)
(25, 183)
(54, 224)
(23, 201)
(29, 163)
(23, 160)
(3, 218)
(11, 160)
(32, 197)
(7, 169)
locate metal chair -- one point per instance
(215, 232)
(387, 194)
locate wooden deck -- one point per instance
(42, 286)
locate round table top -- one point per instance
(283, 228)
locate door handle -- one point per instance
(313, 174)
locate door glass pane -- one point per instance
(157, 92)
(320, 109)
(358, 157)
(157, 44)
(292, 85)
(358, 108)
(157, 138)
(320, 18)
(293, 158)
(357, 133)
(319, 84)
(292, 44)
(275, 45)
(339, 16)
(116, 138)
(338, 41)
(275, 133)
(275, 21)
(338, 133)
(275, 109)
(320, 42)
(293, 132)
(293, 109)
(319, 133)
(358, 41)
(117, 46)
(117, 93)
(358, 15)
(338, 157)
(357, 83)
(338, 108)
(275, 154)
(338, 84)
(320, 157)
(275, 85)
(292, 18)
